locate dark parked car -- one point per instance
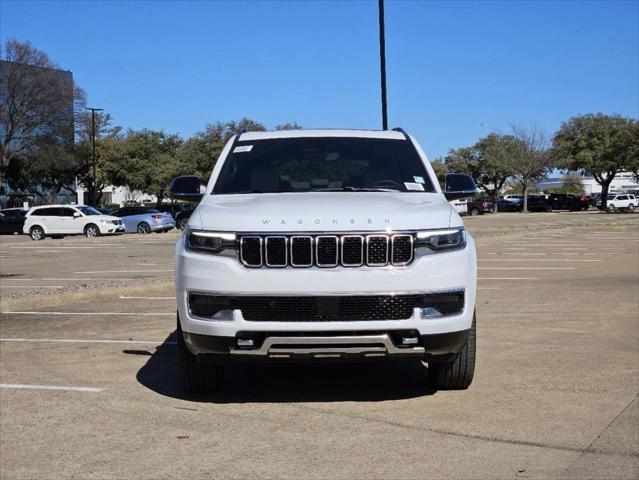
(538, 203)
(173, 208)
(510, 204)
(105, 211)
(182, 218)
(12, 220)
(479, 207)
(565, 201)
(585, 201)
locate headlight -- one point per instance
(441, 240)
(210, 242)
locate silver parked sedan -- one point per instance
(144, 220)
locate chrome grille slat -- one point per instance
(326, 251)
(376, 250)
(298, 245)
(324, 244)
(277, 252)
(349, 242)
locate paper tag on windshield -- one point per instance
(419, 179)
(414, 186)
(243, 148)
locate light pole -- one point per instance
(382, 63)
(95, 180)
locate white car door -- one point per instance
(55, 221)
(621, 201)
(69, 222)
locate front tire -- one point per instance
(195, 376)
(612, 208)
(91, 231)
(36, 233)
(182, 223)
(474, 212)
(458, 373)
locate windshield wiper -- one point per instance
(356, 189)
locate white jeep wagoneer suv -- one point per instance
(324, 244)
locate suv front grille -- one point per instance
(326, 308)
(325, 251)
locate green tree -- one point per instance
(530, 160)
(599, 145)
(440, 169)
(288, 126)
(145, 161)
(487, 162)
(571, 183)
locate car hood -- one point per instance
(324, 211)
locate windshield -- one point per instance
(323, 164)
(88, 210)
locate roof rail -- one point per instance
(401, 130)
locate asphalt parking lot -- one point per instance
(90, 388)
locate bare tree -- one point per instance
(36, 104)
(530, 160)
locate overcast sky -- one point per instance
(456, 70)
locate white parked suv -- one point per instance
(324, 245)
(61, 220)
(624, 201)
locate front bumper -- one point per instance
(219, 275)
(111, 229)
(327, 346)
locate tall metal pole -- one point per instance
(382, 63)
(94, 196)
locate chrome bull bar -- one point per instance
(330, 347)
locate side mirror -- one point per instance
(186, 188)
(76, 215)
(459, 186)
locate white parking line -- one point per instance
(550, 253)
(126, 271)
(68, 278)
(508, 278)
(127, 297)
(92, 314)
(537, 260)
(526, 268)
(64, 340)
(51, 387)
(31, 286)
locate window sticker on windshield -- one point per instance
(419, 179)
(414, 186)
(243, 148)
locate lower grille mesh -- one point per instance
(326, 308)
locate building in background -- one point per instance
(36, 104)
(119, 196)
(623, 182)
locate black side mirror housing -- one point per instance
(186, 188)
(459, 185)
